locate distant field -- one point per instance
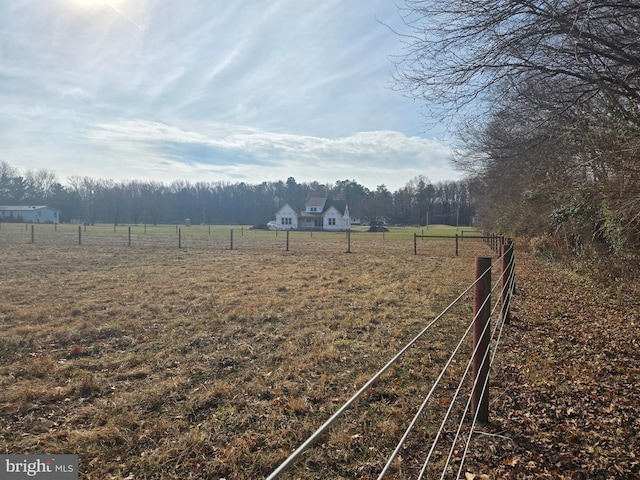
(212, 363)
(208, 236)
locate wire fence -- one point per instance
(212, 237)
(464, 411)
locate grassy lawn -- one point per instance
(157, 362)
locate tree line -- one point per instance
(91, 200)
(544, 99)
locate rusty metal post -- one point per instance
(481, 338)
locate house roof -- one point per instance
(316, 202)
(339, 205)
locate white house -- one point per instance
(29, 214)
(318, 213)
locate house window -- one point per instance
(332, 221)
(286, 220)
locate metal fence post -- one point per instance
(481, 338)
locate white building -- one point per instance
(318, 213)
(29, 214)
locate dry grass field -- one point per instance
(153, 362)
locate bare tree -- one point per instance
(464, 52)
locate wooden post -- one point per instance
(55, 227)
(456, 244)
(209, 229)
(481, 338)
(287, 249)
(129, 236)
(145, 228)
(231, 239)
(349, 241)
(32, 234)
(80, 235)
(179, 237)
(415, 243)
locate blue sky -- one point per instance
(213, 90)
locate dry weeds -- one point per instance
(212, 363)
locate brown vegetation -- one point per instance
(566, 392)
(202, 363)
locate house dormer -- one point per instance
(315, 205)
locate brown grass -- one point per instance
(203, 363)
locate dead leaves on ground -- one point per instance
(566, 391)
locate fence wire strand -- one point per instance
(313, 438)
(433, 388)
(459, 388)
(510, 285)
(498, 328)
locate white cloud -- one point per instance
(241, 152)
(229, 91)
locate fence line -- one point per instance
(507, 289)
(202, 237)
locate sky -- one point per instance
(211, 90)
